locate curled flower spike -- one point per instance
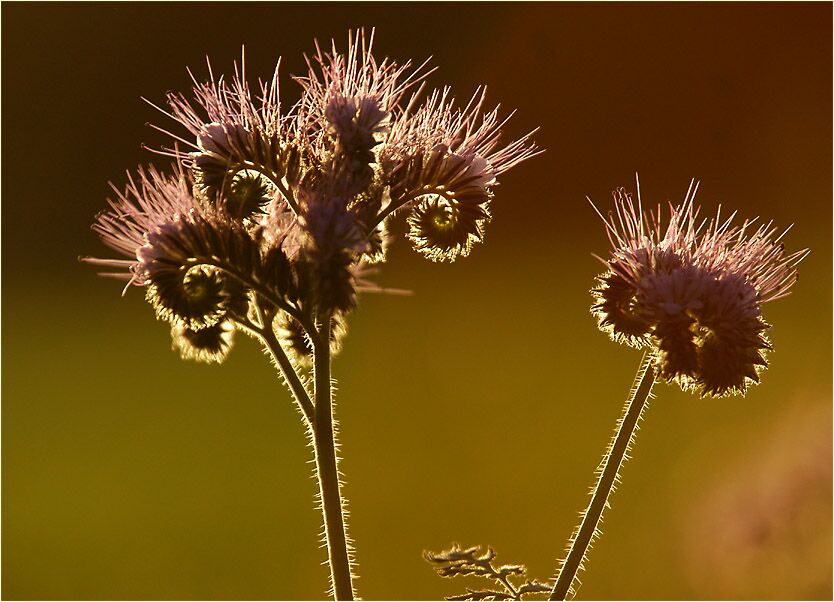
(292, 205)
(454, 154)
(443, 231)
(692, 291)
(148, 201)
(198, 263)
(353, 139)
(210, 345)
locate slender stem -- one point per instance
(383, 214)
(508, 586)
(302, 398)
(608, 475)
(275, 179)
(265, 334)
(395, 205)
(327, 469)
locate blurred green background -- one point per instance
(475, 410)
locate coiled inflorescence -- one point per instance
(273, 214)
(692, 292)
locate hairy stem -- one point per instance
(608, 475)
(402, 202)
(299, 392)
(327, 469)
(262, 331)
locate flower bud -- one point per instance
(193, 298)
(249, 193)
(733, 344)
(221, 147)
(615, 307)
(214, 139)
(210, 345)
(181, 262)
(443, 231)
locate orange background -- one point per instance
(475, 410)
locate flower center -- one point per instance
(443, 220)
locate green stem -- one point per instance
(608, 475)
(327, 469)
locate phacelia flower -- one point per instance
(692, 291)
(274, 213)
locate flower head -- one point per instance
(692, 290)
(279, 212)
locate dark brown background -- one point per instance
(475, 410)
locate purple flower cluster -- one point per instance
(285, 209)
(692, 292)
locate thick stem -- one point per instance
(608, 475)
(327, 470)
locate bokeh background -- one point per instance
(475, 410)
